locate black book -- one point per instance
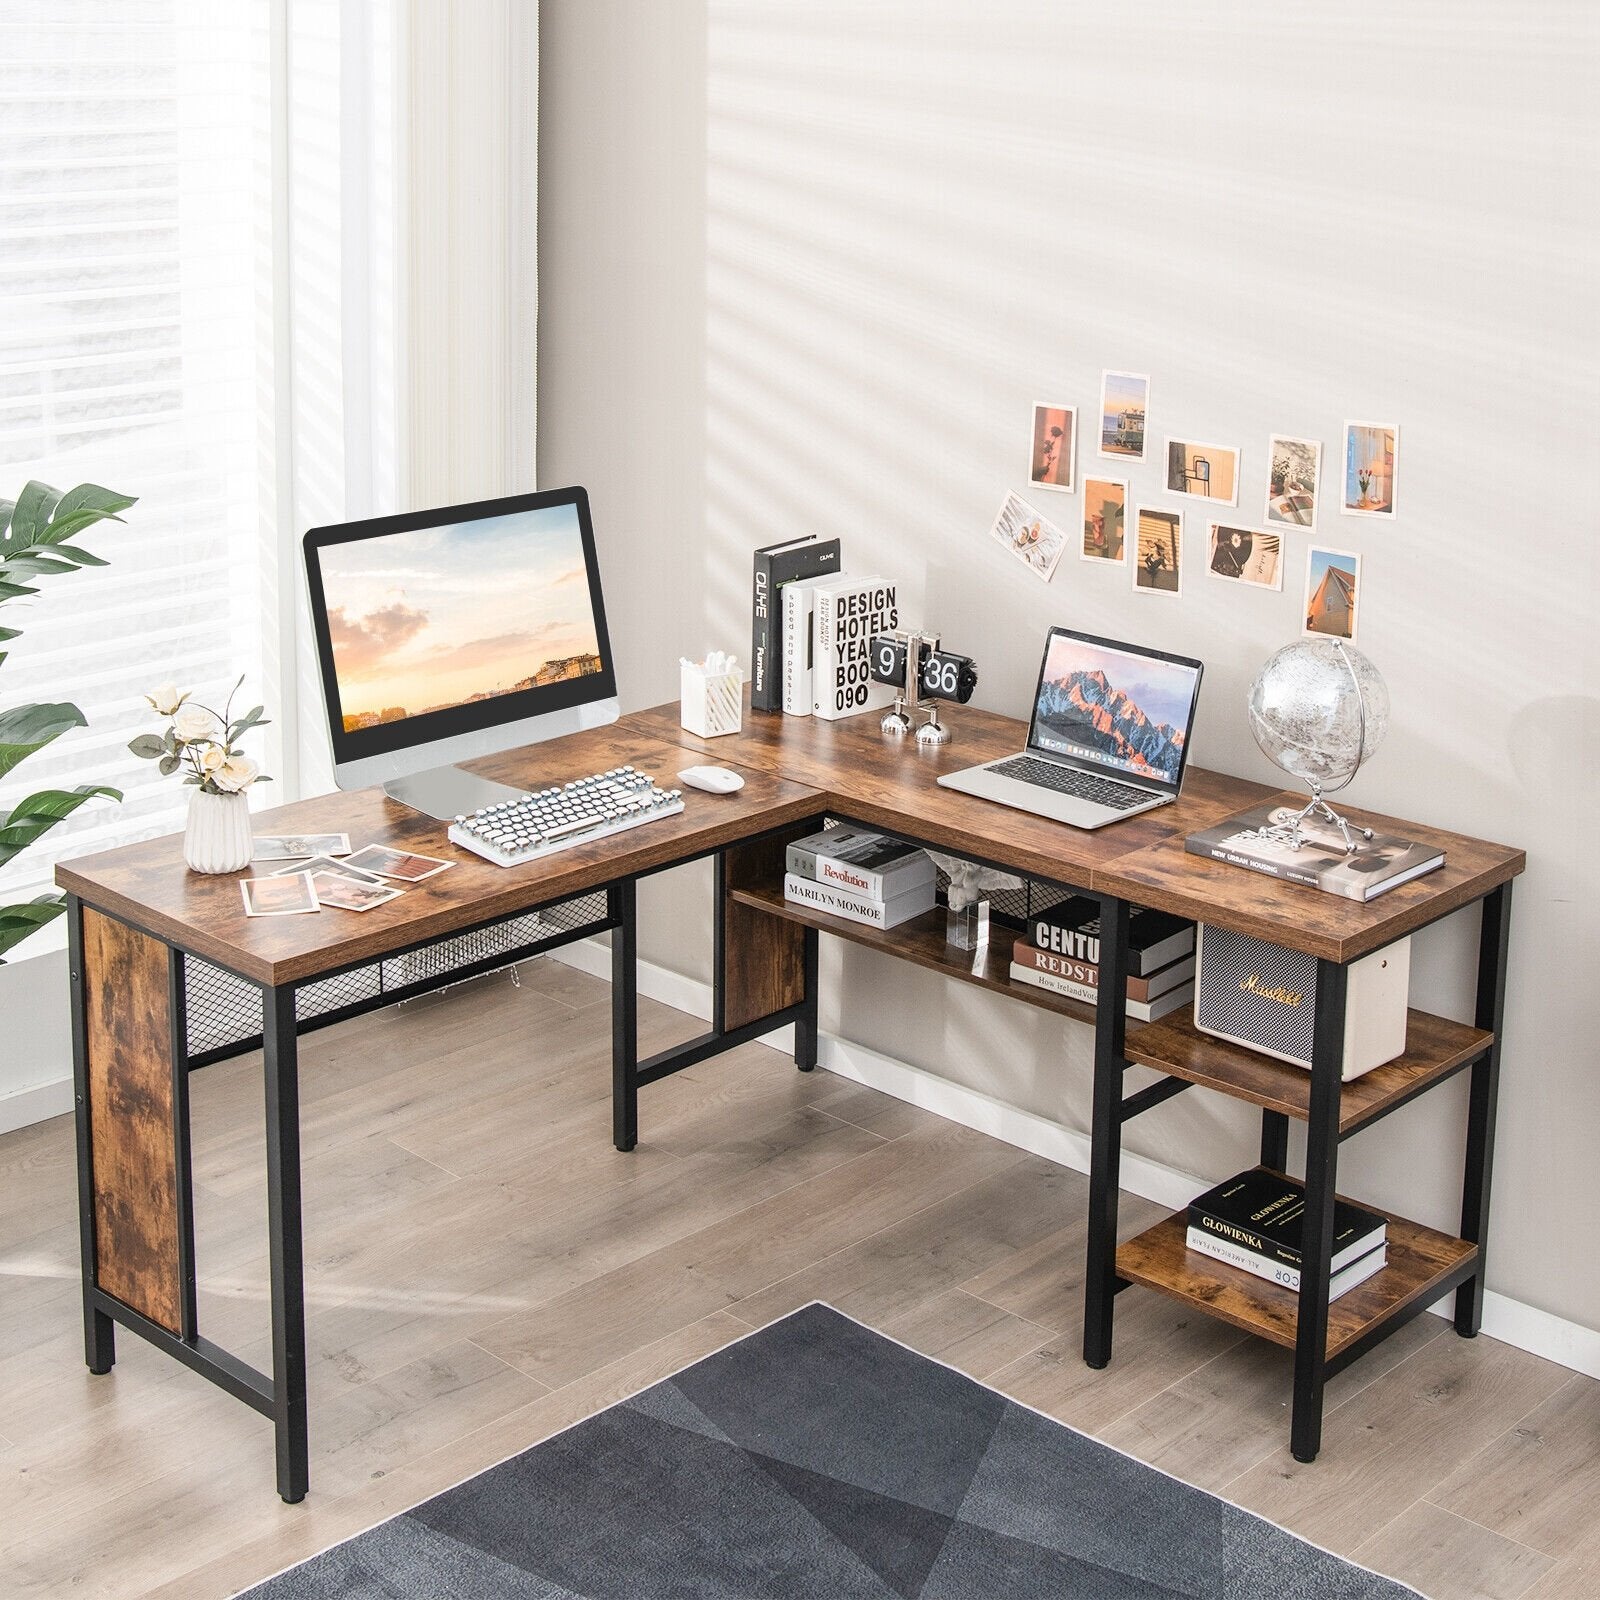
(776, 565)
(1072, 929)
(1264, 1211)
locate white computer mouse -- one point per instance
(715, 780)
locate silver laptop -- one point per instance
(1109, 736)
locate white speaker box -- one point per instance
(1265, 998)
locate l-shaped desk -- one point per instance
(141, 926)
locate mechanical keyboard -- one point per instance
(1068, 780)
(514, 831)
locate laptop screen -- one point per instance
(1115, 706)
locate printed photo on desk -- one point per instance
(1158, 551)
(402, 864)
(290, 896)
(1055, 443)
(1033, 540)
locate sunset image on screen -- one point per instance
(429, 620)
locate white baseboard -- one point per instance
(1568, 1344)
(44, 1100)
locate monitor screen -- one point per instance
(1115, 706)
(438, 623)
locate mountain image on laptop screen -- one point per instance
(1105, 705)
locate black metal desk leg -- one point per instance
(805, 1030)
(1494, 938)
(624, 1015)
(1105, 1145)
(1275, 1140)
(281, 1068)
(99, 1331)
(1322, 1170)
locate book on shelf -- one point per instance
(1155, 938)
(799, 642)
(848, 612)
(1339, 1282)
(1089, 993)
(1027, 954)
(774, 565)
(1379, 864)
(858, 907)
(869, 864)
(1263, 1212)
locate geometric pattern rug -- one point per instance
(819, 1460)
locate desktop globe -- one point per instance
(1319, 709)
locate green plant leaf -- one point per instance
(31, 515)
(147, 746)
(40, 812)
(84, 558)
(81, 508)
(169, 765)
(19, 921)
(6, 508)
(10, 591)
(24, 729)
(28, 565)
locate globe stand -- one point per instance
(1291, 835)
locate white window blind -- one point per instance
(196, 206)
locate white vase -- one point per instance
(217, 838)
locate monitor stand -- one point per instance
(448, 792)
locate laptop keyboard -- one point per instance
(1068, 780)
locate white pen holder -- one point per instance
(712, 703)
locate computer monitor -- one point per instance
(450, 634)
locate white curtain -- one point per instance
(222, 291)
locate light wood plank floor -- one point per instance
(483, 1269)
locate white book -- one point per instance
(856, 907)
(1089, 993)
(1235, 1255)
(849, 611)
(799, 602)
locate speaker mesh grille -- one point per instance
(1225, 1006)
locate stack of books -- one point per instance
(865, 877)
(1253, 1222)
(1061, 952)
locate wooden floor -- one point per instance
(483, 1269)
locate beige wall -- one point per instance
(805, 267)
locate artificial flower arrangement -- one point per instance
(201, 741)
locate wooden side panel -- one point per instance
(128, 1039)
(763, 956)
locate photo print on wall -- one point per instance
(1371, 455)
(1032, 539)
(1293, 468)
(1333, 580)
(1203, 472)
(1124, 410)
(1055, 438)
(1105, 510)
(1245, 555)
(1158, 554)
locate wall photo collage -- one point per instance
(1148, 538)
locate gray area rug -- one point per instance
(818, 1459)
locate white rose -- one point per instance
(165, 700)
(192, 724)
(236, 773)
(212, 758)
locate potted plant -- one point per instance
(35, 533)
(204, 745)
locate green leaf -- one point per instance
(82, 507)
(169, 765)
(77, 553)
(6, 508)
(39, 813)
(147, 746)
(24, 729)
(11, 591)
(19, 921)
(31, 515)
(28, 565)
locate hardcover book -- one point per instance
(799, 642)
(856, 907)
(848, 613)
(775, 565)
(1155, 938)
(1263, 1212)
(1089, 993)
(1027, 954)
(1339, 1282)
(863, 863)
(1383, 862)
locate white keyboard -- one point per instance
(536, 825)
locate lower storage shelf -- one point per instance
(1421, 1262)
